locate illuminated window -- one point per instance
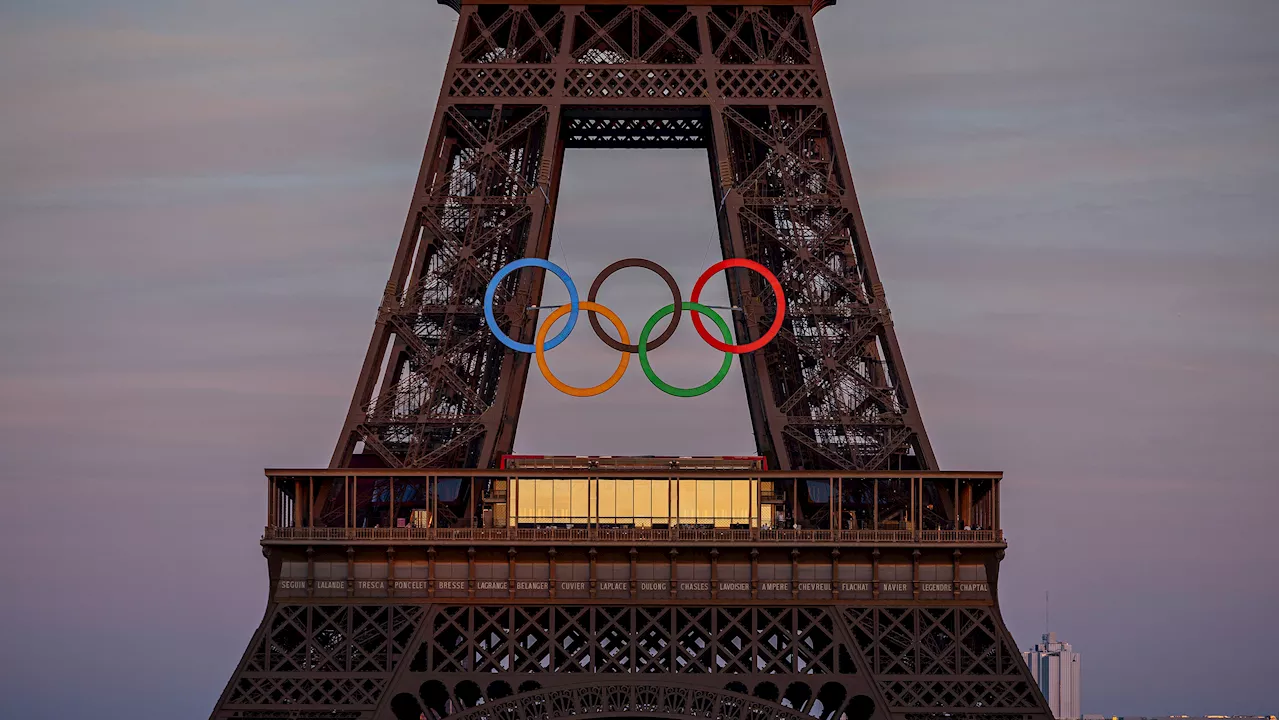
(635, 502)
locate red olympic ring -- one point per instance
(777, 294)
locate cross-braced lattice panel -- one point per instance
(694, 640)
(762, 82)
(512, 34)
(646, 34)
(840, 396)
(780, 151)
(502, 82)
(531, 639)
(324, 692)
(941, 657)
(631, 130)
(605, 639)
(759, 35)
(959, 694)
(325, 654)
(829, 371)
(573, 643)
(656, 83)
(474, 220)
(613, 636)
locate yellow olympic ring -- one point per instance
(540, 350)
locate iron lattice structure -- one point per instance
(526, 82)
(410, 623)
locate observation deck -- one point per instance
(683, 501)
(634, 530)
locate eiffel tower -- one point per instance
(428, 573)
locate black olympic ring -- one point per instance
(647, 265)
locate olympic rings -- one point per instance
(647, 265)
(493, 288)
(672, 389)
(540, 345)
(777, 318)
(540, 351)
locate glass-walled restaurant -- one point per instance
(523, 500)
(631, 502)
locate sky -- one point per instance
(1072, 206)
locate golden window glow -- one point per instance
(636, 502)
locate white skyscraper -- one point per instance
(1057, 670)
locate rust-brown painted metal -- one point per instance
(745, 83)
(461, 620)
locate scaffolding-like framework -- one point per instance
(746, 84)
(860, 582)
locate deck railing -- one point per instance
(540, 505)
(634, 535)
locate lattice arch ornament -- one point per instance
(505, 661)
(615, 699)
(533, 661)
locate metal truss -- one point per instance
(745, 83)
(405, 662)
(437, 390)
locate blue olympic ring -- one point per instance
(493, 288)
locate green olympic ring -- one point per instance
(659, 382)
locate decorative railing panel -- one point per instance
(502, 81)
(629, 83)
(760, 83)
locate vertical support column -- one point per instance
(996, 520)
(671, 587)
(511, 572)
(351, 571)
(875, 504)
(915, 574)
(833, 506)
(911, 417)
(374, 355)
(835, 573)
(431, 572)
(591, 573)
(634, 583)
(795, 502)
(311, 571)
(500, 437)
(955, 574)
(795, 574)
(911, 510)
(955, 498)
(715, 575)
(471, 572)
(391, 571)
(755, 573)
(875, 573)
(765, 420)
(551, 573)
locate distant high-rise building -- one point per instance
(1057, 670)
